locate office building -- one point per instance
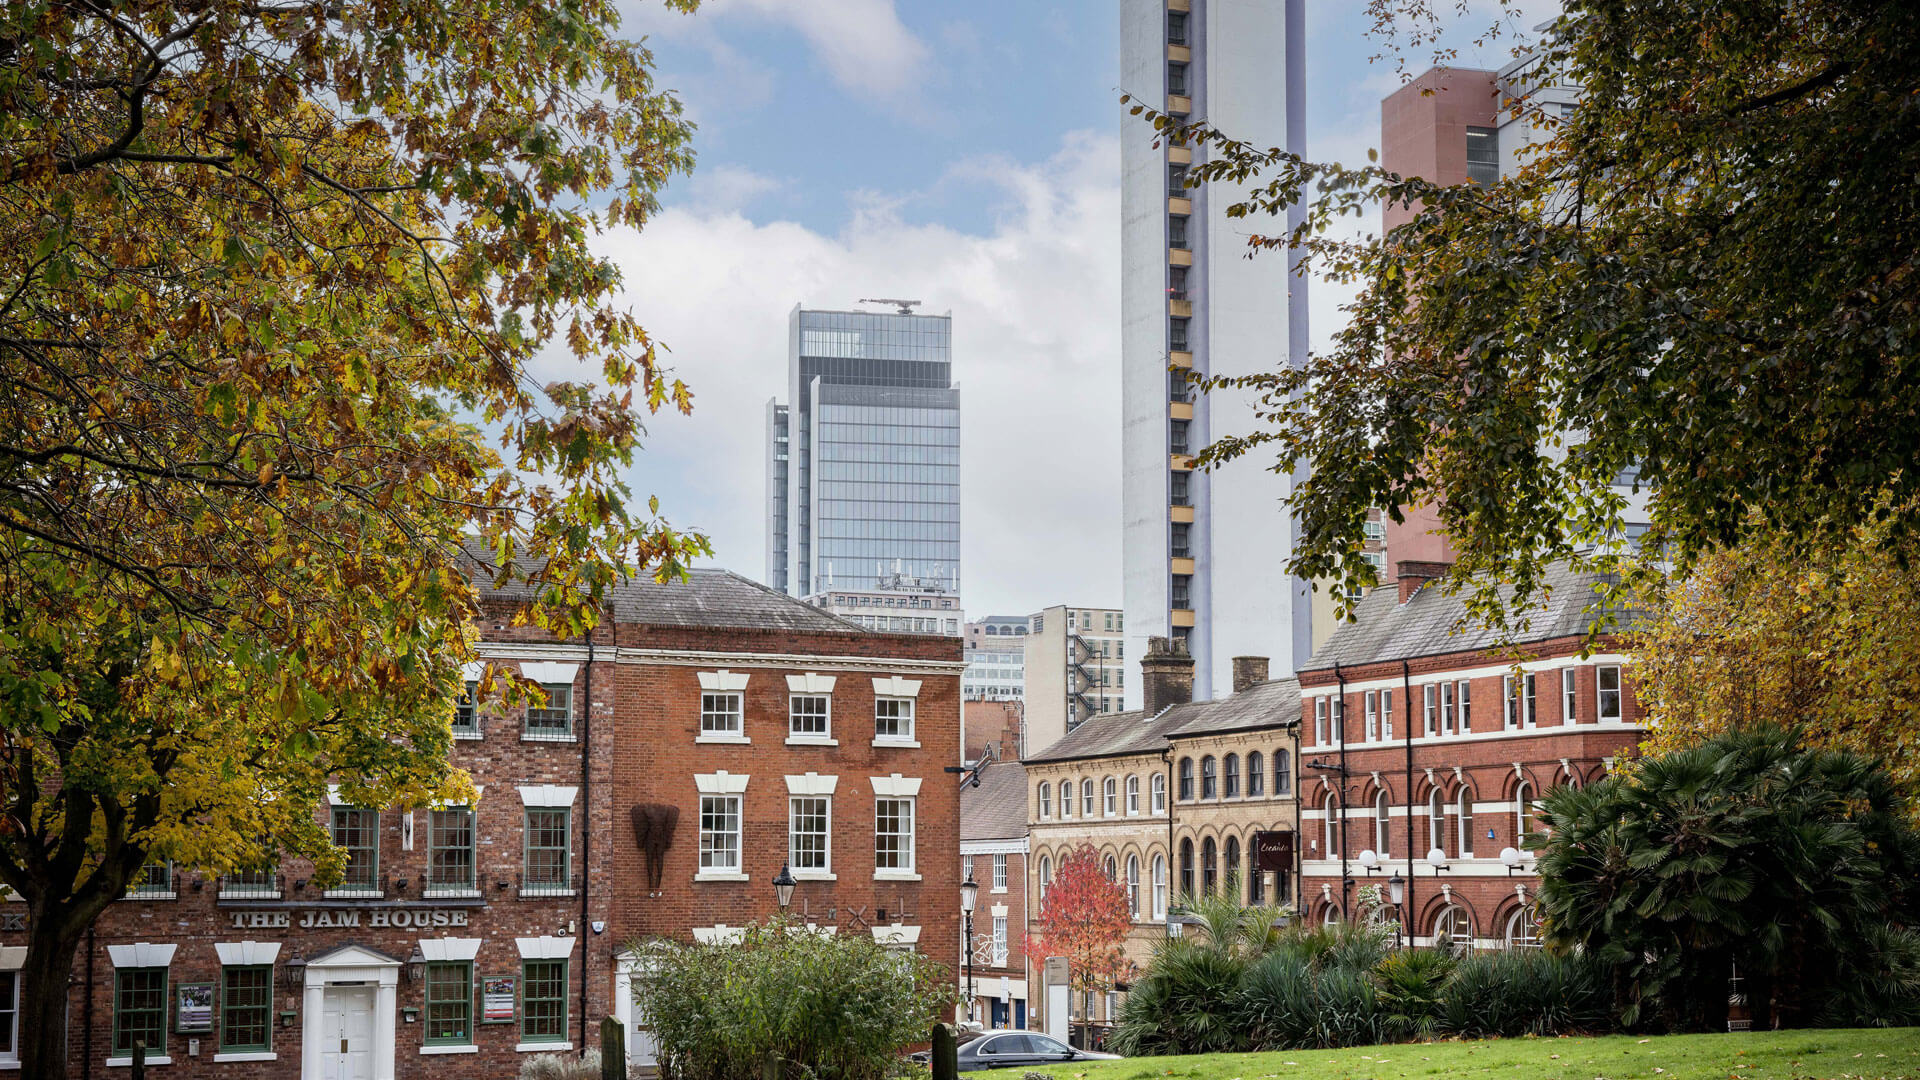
(863, 462)
(1075, 667)
(1205, 554)
(995, 659)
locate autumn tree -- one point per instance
(273, 281)
(1759, 636)
(1085, 917)
(1702, 276)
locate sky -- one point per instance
(966, 155)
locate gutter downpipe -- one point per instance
(1406, 693)
(586, 839)
(1340, 730)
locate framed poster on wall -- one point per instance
(498, 995)
(193, 1008)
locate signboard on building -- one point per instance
(1273, 850)
(193, 1008)
(497, 994)
(1056, 971)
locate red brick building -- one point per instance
(993, 849)
(730, 730)
(1423, 749)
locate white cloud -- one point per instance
(728, 188)
(862, 42)
(1035, 304)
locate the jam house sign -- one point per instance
(333, 919)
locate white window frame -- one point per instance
(1157, 794)
(897, 789)
(1331, 807)
(717, 709)
(1046, 800)
(1463, 702)
(1086, 797)
(728, 805)
(1463, 820)
(1522, 810)
(1320, 721)
(823, 872)
(1109, 797)
(1043, 877)
(901, 720)
(1600, 694)
(1339, 720)
(1382, 827)
(999, 941)
(1159, 887)
(1436, 820)
(1569, 694)
(823, 737)
(1133, 796)
(1430, 698)
(1133, 886)
(1386, 716)
(1000, 871)
(1446, 708)
(1373, 716)
(1529, 699)
(11, 1058)
(1511, 706)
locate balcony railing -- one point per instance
(539, 886)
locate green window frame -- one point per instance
(140, 1010)
(543, 1001)
(357, 831)
(549, 850)
(554, 720)
(154, 880)
(466, 716)
(246, 1008)
(450, 1003)
(450, 850)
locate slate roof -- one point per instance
(997, 809)
(1385, 629)
(708, 598)
(1118, 734)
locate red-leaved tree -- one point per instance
(1085, 917)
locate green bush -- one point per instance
(831, 1007)
(1410, 984)
(1524, 992)
(1189, 1003)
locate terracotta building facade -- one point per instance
(1425, 750)
(706, 734)
(993, 853)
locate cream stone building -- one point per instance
(1115, 782)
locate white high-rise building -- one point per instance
(1205, 554)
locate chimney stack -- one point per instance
(1415, 575)
(1166, 674)
(1248, 672)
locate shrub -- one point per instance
(1524, 992)
(1188, 1003)
(1410, 984)
(832, 1007)
(561, 1067)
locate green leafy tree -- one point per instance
(1747, 853)
(1705, 273)
(273, 278)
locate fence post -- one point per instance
(945, 1054)
(139, 1060)
(613, 1049)
(773, 1067)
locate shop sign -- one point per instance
(334, 919)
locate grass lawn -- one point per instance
(1834, 1054)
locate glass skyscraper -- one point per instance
(863, 459)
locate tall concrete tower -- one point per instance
(1205, 554)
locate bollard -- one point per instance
(613, 1049)
(946, 1053)
(773, 1068)
(139, 1071)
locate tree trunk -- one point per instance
(51, 943)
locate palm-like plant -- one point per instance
(1745, 853)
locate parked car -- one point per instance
(1023, 1049)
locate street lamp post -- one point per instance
(783, 888)
(969, 892)
(1397, 892)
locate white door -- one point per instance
(346, 1033)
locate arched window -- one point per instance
(1453, 930)
(1382, 832)
(1133, 795)
(1522, 929)
(1256, 776)
(1110, 796)
(1111, 868)
(1330, 849)
(1233, 867)
(1209, 866)
(1086, 797)
(1256, 879)
(1282, 772)
(1209, 778)
(1133, 886)
(1159, 794)
(1232, 769)
(1046, 800)
(1160, 886)
(1437, 821)
(1046, 876)
(1186, 867)
(1464, 811)
(1186, 779)
(1331, 916)
(1066, 799)
(1523, 812)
